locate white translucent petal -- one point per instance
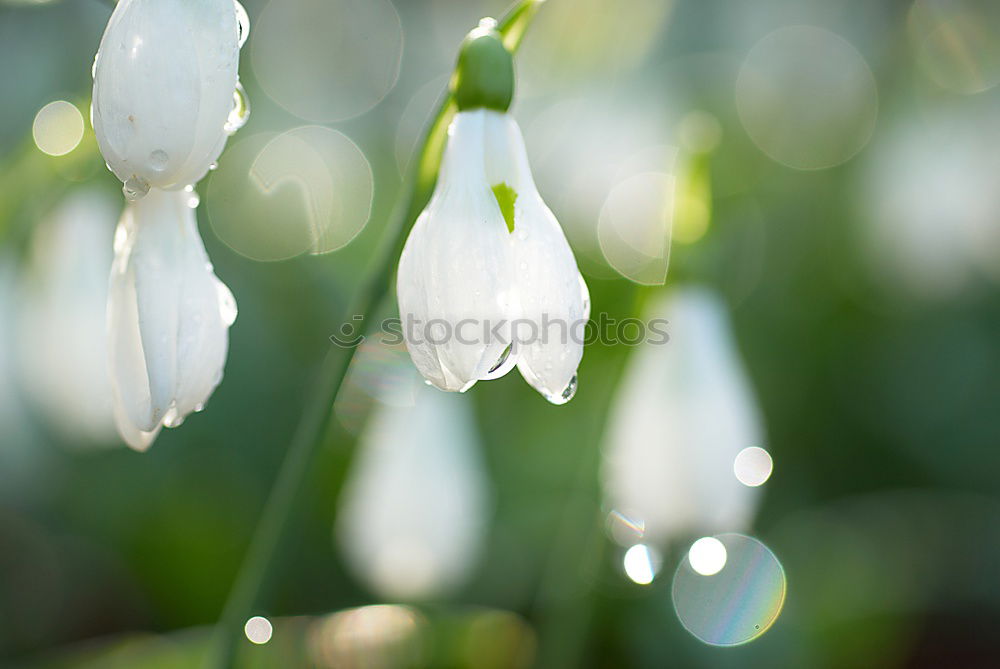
(553, 297)
(163, 88)
(455, 280)
(683, 413)
(416, 502)
(64, 289)
(168, 315)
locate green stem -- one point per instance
(315, 420)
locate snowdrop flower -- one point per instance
(414, 508)
(684, 411)
(164, 82)
(61, 317)
(166, 96)
(486, 279)
(168, 318)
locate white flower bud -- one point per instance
(164, 81)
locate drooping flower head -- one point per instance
(166, 97)
(487, 279)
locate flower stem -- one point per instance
(315, 420)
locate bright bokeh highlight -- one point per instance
(735, 604)
(707, 556)
(258, 630)
(58, 128)
(641, 564)
(753, 466)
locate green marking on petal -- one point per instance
(506, 197)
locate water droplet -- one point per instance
(135, 188)
(158, 160)
(488, 23)
(242, 24)
(570, 390)
(504, 364)
(213, 166)
(240, 113)
(172, 418)
(227, 304)
(198, 408)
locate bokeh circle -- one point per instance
(735, 604)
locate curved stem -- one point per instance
(315, 420)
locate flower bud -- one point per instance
(484, 75)
(164, 80)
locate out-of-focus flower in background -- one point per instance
(683, 414)
(414, 511)
(929, 201)
(168, 317)
(61, 319)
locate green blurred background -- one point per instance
(836, 166)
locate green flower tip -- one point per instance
(484, 75)
(506, 197)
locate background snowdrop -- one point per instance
(414, 510)
(62, 317)
(683, 413)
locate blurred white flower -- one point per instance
(164, 83)
(62, 316)
(929, 203)
(683, 412)
(415, 507)
(488, 263)
(168, 318)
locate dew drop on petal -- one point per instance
(135, 188)
(158, 160)
(566, 395)
(240, 113)
(504, 364)
(242, 24)
(227, 304)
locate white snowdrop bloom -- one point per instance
(62, 315)
(929, 202)
(164, 83)
(168, 317)
(474, 279)
(683, 412)
(487, 279)
(414, 510)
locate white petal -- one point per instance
(684, 411)
(553, 296)
(415, 506)
(455, 270)
(164, 80)
(168, 315)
